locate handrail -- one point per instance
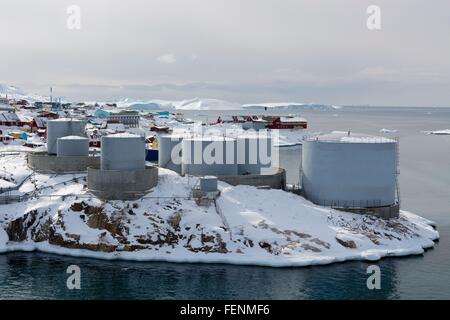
(222, 216)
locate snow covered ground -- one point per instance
(246, 226)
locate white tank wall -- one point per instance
(61, 128)
(72, 146)
(193, 161)
(208, 183)
(349, 174)
(253, 152)
(123, 152)
(166, 145)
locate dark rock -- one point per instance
(347, 243)
(17, 230)
(266, 246)
(174, 221)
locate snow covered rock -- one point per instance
(246, 225)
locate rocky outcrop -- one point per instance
(58, 240)
(115, 236)
(29, 226)
(346, 243)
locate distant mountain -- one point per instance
(15, 93)
(10, 91)
(150, 105)
(193, 104)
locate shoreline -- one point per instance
(81, 253)
(258, 227)
(150, 255)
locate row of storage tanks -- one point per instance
(343, 169)
(66, 138)
(248, 154)
(184, 154)
(228, 156)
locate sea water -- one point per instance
(424, 189)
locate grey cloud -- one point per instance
(253, 50)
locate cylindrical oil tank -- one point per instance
(123, 151)
(209, 156)
(254, 152)
(72, 146)
(208, 183)
(169, 152)
(63, 127)
(349, 170)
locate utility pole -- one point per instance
(51, 94)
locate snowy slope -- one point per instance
(257, 227)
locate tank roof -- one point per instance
(122, 135)
(73, 138)
(210, 138)
(209, 177)
(176, 135)
(349, 137)
(65, 120)
(254, 135)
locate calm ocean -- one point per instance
(425, 190)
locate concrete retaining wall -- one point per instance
(274, 181)
(45, 163)
(121, 185)
(387, 212)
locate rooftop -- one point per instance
(349, 137)
(66, 120)
(122, 135)
(209, 138)
(73, 138)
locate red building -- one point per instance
(288, 123)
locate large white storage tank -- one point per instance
(254, 153)
(72, 146)
(63, 127)
(209, 156)
(169, 152)
(123, 151)
(349, 170)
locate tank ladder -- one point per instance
(397, 169)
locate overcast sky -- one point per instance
(239, 50)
